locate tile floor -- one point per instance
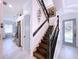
(11, 51)
(68, 52)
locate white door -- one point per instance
(26, 32)
(69, 31)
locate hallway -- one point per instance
(29, 21)
(68, 52)
(11, 51)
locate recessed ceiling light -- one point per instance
(10, 6)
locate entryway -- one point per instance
(69, 49)
(69, 32)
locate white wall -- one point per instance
(34, 42)
(48, 3)
(53, 21)
(69, 15)
(69, 2)
(77, 30)
(27, 8)
(1, 34)
(58, 4)
(1, 19)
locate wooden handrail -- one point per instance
(41, 2)
(39, 28)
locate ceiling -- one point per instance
(67, 5)
(17, 6)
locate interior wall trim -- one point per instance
(39, 27)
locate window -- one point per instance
(8, 28)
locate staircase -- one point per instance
(46, 48)
(42, 50)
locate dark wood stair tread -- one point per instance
(46, 34)
(38, 55)
(45, 38)
(42, 51)
(42, 45)
(44, 41)
(50, 29)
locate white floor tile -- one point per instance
(11, 51)
(68, 52)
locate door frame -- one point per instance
(74, 32)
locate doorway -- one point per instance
(69, 32)
(19, 33)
